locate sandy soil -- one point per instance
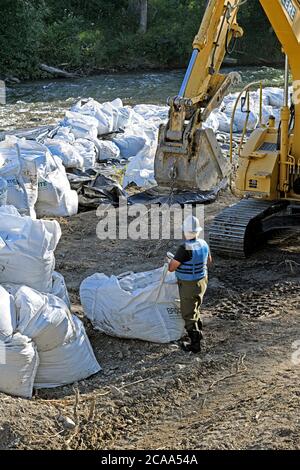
(241, 392)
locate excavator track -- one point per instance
(238, 230)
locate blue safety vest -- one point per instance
(196, 268)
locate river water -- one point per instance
(39, 103)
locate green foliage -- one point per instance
(21, 29)
(96, 34)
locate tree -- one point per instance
(143, 16)
(139, 8)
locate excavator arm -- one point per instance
(189, 156)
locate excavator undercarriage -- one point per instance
(240, 229)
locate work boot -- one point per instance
(194, 346)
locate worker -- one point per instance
(190, 265)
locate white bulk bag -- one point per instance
(44, 318)
(20, 161)
(275, 96)
(142, 306)
(68, 154)
(88, 151)
(154, 113)
(107, 150)
(64, 134)
(18, 365)
(140, 169)
(82, 126)
(212, 122)
(68, 363)
(130, 145)
(27, 249)
(124, 118)
(106, 114)
(55, 197)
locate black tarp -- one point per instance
(94, 188)
(159, 195)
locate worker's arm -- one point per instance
(173, 265)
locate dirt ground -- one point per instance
(241, 392)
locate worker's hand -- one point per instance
(173, 265)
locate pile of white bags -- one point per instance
(41, 343)
(142, 306)
(27, 250)
(37, 181)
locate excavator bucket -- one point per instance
(200, 166)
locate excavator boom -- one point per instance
(189, 156)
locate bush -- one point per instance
(21, 28)
(95, 34)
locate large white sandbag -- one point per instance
(59, 288)
(55, 197)
(69, 155)
(27, 249)
(7, 315)
(71, 362)
(106, 114)
(212, 122)
(65, 134)
(124, 117)
(275, 96)
(88, 151)
(83, 126)
(3, 191)
(44, 318)
(142, 306)
(140, 169)
(130, 145)
(18, 365)
(20, 161)
(154, 113)
(107, 150)
(68, 206)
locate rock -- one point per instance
(67, 422)
(180, 366)
(179, 383)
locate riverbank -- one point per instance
(73, 74)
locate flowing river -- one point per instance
(34, 104)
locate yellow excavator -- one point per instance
(268, 176)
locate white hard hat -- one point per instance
(191, 227)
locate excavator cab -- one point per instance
(188, 155)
